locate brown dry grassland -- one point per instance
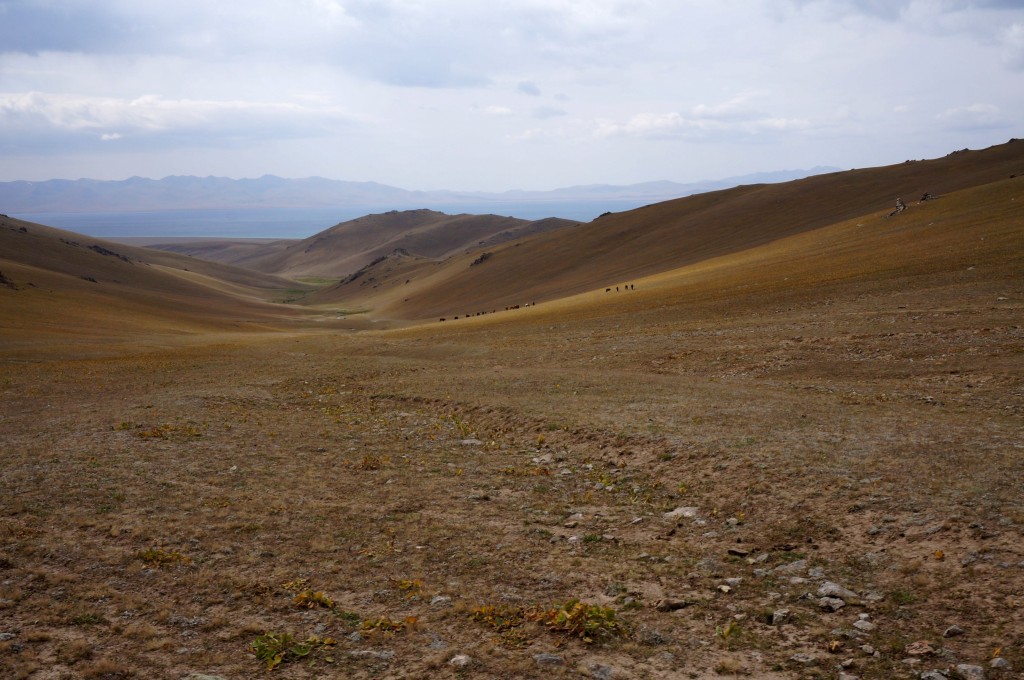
(845, 405)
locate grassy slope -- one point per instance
(626, 246)
(344, 248)
(68, 287)
(849, 396)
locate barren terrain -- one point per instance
(800, 459)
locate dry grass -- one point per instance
(392, 495)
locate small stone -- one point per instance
(460, 660)
(864, 626)
(791, 568)
(867, 649)
(471, 442)
(682, 512)
(797, 580)
(571, 525)
(600, 672)
(738, 552)
(953, 631)
(1000, 663)
(830, 589)
(386, 655)
(732, 522)
(668, 605)
(831, 604)
(847, 676)
(920, 648)
(779, 616)
(548, 659)
(651, 636)
(816, 573)
(440, 601)
(804, 659)
(734, 582)
(934, 675)
(966, 671)
(4, 637)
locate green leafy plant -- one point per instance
(273, 649)
(585, 621)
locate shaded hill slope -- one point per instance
(662, 237)
(346, 247)
(58, 283)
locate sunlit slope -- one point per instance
(620, 248)
(345, 248)
(61, 284)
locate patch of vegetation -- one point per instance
(587, 622)
(383, 624)
(902, 596)
(273, 649)
(312, 599)
(590, 623)
(162, 558)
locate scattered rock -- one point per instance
(471, 442)
(687, 512)
(953, 631)
(386, 655)
(831, 604)
(668, 605)
(548, 659)
(920, 648)
(966, 671)
(830, 589)
(934, 675)
(779, 616)
(601, 672)
(4, 637)
(847, 676)
(1000, 663)
(867, 649)
(804, 659)
(460, 660)
(791, 568)
(816, 573)
(651, 636)
(738, 552)
(864, 626)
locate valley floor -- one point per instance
(406, 502)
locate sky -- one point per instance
(503, 94)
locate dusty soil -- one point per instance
(406, 498)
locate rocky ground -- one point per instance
(827, 489)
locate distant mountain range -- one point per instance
(138, 194)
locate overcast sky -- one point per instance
(503, 94)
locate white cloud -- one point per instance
(152, 116)
(702, 121)
(1012, 52)
(974, 117)
(498, 111)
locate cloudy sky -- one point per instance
(503, 94)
